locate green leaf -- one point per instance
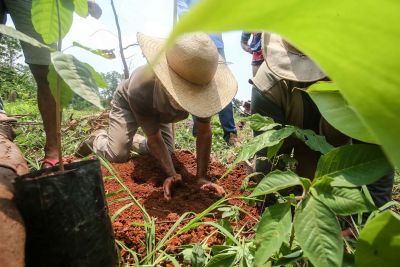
(379, 242)
(217, 249)
(275, 181)
(306, 183)
(195, 255)
(81, 8)
(335, 109)
(77, 76)
(353, 165)
(273, 229)
(106, 53)
(313, 141)
(289, 258)
(267, 139)
(261, 123)
(273, 150)
(318, 233)
(222, 260)
(97, 77)
(343, 201)
(45, 18)
(337, 35)
(348, 260)
(66, 92)
(118, 212)
(9, 31)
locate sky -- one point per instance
(151, 17)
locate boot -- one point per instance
(85, 148)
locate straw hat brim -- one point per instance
(287, 64)
(200, 100)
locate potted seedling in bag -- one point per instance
(64, 207)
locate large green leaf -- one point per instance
(267, 139)
(314, 141)
(355, 43)
(66, 92)
(335, 109)
(273, 228)
(77, 76)
(81, 7)
(343, 201)
(225, 259)
(379, 242)
(261, 123)
(9, 31)
(275, 181)
(318, 233)
(45, 18)
(100, 81)
(353, 165)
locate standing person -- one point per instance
(189, 78)
(38, 60)
(279, 93)
(254, 48)
(226, 115)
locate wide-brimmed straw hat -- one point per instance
(287, 62)
(192, 73)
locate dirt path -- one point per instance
(144, 178)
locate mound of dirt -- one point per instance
(144, 178)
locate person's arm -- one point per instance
(244, 42)
(158, 150)
(203, 150)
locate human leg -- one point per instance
(226, 117)
(38, 60)
(139, 144)
(227, 122)
(115, 145)
(47, 108)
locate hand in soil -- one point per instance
(168, 183)
(207, 185)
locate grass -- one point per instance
(30, 138)
(30, 134)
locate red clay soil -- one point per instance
(144, 178)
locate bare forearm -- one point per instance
(203, 148)
(159, 150)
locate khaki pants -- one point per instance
(116, 144)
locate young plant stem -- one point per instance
(58, 95)
(121, 49)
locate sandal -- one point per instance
(48, 163)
